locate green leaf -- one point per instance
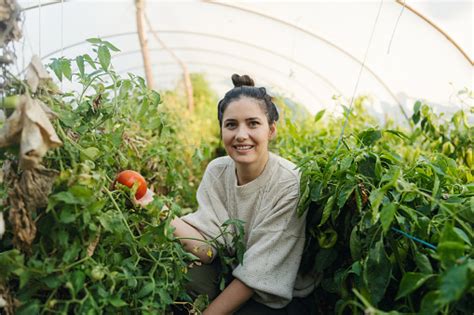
(110, 46)
(410, 282)
(104, 57)
(377, 272)
(118, 302)
(146, 290)
(77, 280)
(67, 215)
(451, 246)
(111, 222)
(316, 191)
(345, 193)
(80, 64)
(66, 68)
(57, 69)
(462, 235)
(52, 281)
(71, 253)
(369, 137)
(66, 197)
(94, 40)
(428, 305)
(397, 133)
(416, 107)
(89, 60)
(327, 210)
(30, 308)
(386, 215)
(355, 245)
(90, 153)
(423, 263)
(346, 163)
(319, 115)
(453, 284)
(376, 198)
(164, 296)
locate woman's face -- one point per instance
(245, 131)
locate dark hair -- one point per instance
(244, 86)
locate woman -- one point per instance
(260, 188)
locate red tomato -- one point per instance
(129, 178)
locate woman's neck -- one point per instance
(248, 172)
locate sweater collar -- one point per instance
(258, 182)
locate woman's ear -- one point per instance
(273, 132)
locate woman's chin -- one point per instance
(243, 158)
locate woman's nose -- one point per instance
(242, 134)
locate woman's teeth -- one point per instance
(243, 147)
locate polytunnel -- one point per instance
(396, 52)
(344, 186)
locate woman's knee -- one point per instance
(203, 279)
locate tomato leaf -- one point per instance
(80, 64)
(104, 57)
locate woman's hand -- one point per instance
(146, 199)
(231, 299)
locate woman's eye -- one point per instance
(230, 125)
(254, 123)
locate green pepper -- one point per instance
(327, 238)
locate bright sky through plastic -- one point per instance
(309, 51)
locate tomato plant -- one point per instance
(94, 251)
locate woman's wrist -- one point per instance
(231, 299)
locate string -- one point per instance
(395, 28)
(358, 79)
(414, 238)
(39, 28)
(62, 28)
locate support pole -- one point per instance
(139, 4)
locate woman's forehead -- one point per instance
(244, 108)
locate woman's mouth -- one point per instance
(243, 148)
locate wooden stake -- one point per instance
(139, 4)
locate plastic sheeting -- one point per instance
(311, 52)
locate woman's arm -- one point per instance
(229, 301)
(192, 240)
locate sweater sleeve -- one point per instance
(273, 254)
(211, 212)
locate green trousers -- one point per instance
(204, 280)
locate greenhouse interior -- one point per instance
(236, 157)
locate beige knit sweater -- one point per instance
(274, 234)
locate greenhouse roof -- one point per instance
(313, 52)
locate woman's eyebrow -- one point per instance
(253, 118)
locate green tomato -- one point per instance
(97, 273)
(10, 102)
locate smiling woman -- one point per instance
(261, 189)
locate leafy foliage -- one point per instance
(95, 251)
(389, 212)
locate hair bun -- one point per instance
(242, 80)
